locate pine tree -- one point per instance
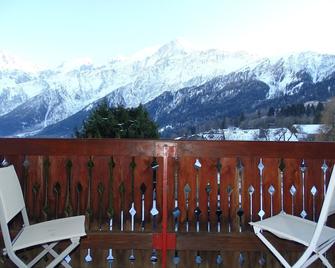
(118, 122)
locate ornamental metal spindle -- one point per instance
(271, 191)
(176, 211)
(324, 168)
(68, 211)
(122, 198)
(251, 191)
(293, 192)
(143, 188)
(208, 190)
(240, 211)
(314, 192)
(110, 211)
(282, 169)
(197, 211)
(154, 212)
(261, 212)
(187, 190)
(218, 205)
(132, 210)
(229, 192)
(303, 168)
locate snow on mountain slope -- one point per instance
(134, 80)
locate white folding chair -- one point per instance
(317, 237)
(47, 234)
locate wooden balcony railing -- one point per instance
(230, 183)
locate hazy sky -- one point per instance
(49, 32)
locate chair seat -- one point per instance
(294, 228)
(50, 231)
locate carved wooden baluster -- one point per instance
(56, 191)
(100, 190)
(79, 189)
(282, 169)
(303, 168)
(89, 212)
(35, 189)
(68, 212)
(46, 173)
(240, 211)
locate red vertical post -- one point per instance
(165, 208)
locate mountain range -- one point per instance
(179, 86)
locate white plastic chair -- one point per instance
(47, 234)
(317, 237)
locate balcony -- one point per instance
(230, 183)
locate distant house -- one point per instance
(308, 132)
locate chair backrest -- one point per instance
(328, 208)
(11, 197)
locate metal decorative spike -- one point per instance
(176, 258)
(218, 199)
(303, 168)
(187, 190)
(176, 211)
(314, 192)
(143, 188)
(67, 259)
(241, 259)
(293, 192)
(197, 164)
(219, 259)
(262, 260)
(324, 168)
(229, 192)
(282, 168)
(208, 190)
(251, 191)
(198, 259)
(261, 212)
(271, 191)
(88, 257)
(240, 211)
(110, 256)
(4, 162)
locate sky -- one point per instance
(50, 32)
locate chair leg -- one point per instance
(60, 257)
(46, 249)
(272, 248)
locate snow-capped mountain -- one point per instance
(171, 80)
